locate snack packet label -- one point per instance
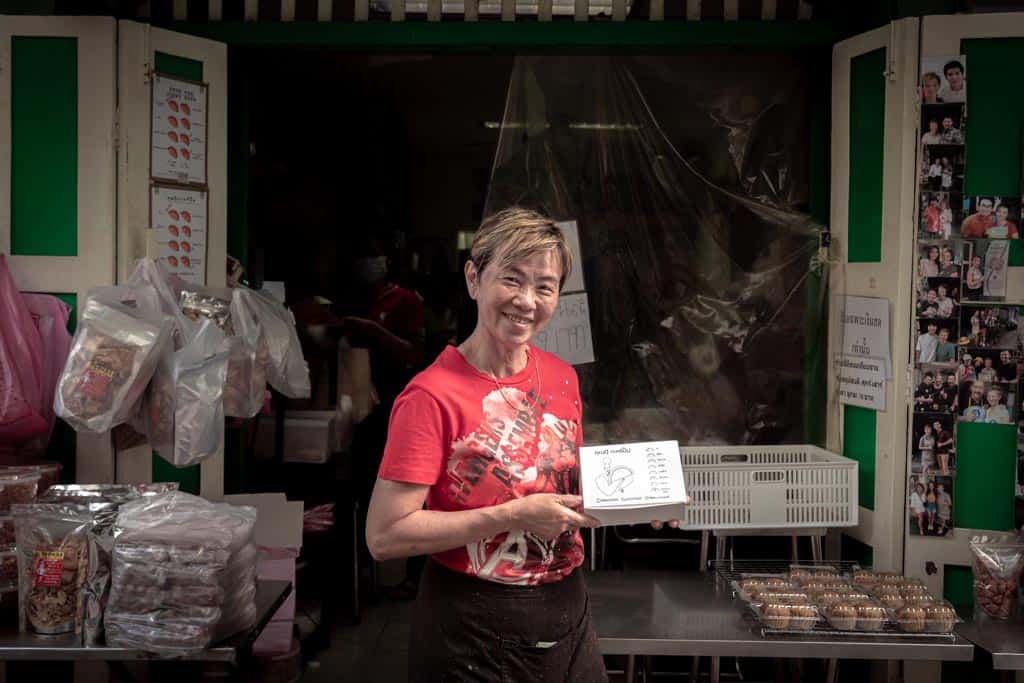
(97, 377)
(48, 568)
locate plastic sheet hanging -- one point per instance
(704, 282)
(255, 313)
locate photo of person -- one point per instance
(989, 327)
(942, 169)
(991, 218)
(937, 297)
(936, 389)
(934, 343)
(986, 402)
(994, 365)
(984, 278)
(930, 505)
(943, 79)
(933, 448)
(941, 215)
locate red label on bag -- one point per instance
(97, 377)
(48, 568)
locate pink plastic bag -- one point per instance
(50, 315)
(21, 395)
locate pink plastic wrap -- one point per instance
(21, 395)
(50, 315)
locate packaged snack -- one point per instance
(52, 551)
(256, 313)
(16, 488)
(113, 355)
(870, 616)
(998, 563)
(198, 303)
(864, 578)
(49, 474)
(842, 616)
(939, 617)
(775, 615)
(802, 617)
(910, 619)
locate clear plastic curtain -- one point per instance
(683, 174)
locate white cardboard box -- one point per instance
(633, 483)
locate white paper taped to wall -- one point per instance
(572, 235)
(568, 334)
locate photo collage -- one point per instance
(967, 347)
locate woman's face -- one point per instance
(933, 254)
(933, 127)
(515, 302)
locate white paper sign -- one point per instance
(574, 283)
(178, 147)
(178, 233)
(633, 482)
(567, 334)
(864, 329)
(861, 381)
(996, 259)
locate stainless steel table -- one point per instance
(27, 646)
(1004, 641)
(672, 613)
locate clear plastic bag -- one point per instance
(205, 302)
(998, 563)
(184, 407)
(22, 416)
(50, 316)
(256, 313)
(167, 287)
(169, 590)
(115, 351)
(52, 541)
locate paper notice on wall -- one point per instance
(568, 334)
(574, 283)
(178, 145)
(178, 232)
(861, 381)
(864, 329)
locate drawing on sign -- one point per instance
(614, 479)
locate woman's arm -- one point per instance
(398, 526)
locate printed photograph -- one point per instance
(984, 278)
(988, 365)
(989, 327)
(930, 505)
(936, 341)
(987, 402)
(936, 389)
(943, 259)
(991, 218)
(944, 80)
(942, 169)
(933, 450)
(941, 214)
(939, 298)
(943, 125)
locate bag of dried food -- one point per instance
(167, 287)
(53, 552)
(119, 341)
(246, 380)
(256, 313)
(170, 553)
(998, 563)
(185, 402)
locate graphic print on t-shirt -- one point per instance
(516, 450)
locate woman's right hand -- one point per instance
(549, 515)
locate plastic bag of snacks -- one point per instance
(169, 587)
(256, 313)
(119, 340)
(198, 303)
(184, 406)
(53, 551)
(17, 486)
(998, 563)
(167, 287)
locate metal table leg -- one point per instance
(720, 542)
(716, 669)
(816, 551)
(832, 671)
(694, 669)
(794, 541)
(705, 541)
(630, 668)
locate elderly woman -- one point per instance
(487, 438)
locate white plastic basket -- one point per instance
(764, 487)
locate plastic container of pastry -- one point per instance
(779, 616)
(17, 487)
(842, 616)
(940, 617)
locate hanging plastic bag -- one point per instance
(355, 381)
(167, 287)
(22, 416)
(50, 315)
(184, 406)
(997, 568)
(287, 370)
(115, 351)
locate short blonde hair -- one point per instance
(516, 233)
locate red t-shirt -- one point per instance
(476, 445)
(400, 311)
